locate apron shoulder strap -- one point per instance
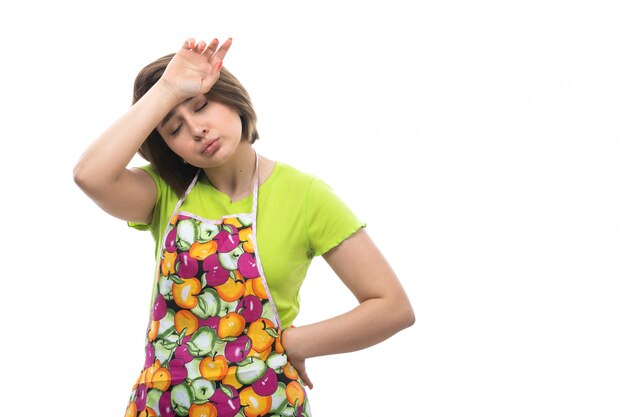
(193, 182)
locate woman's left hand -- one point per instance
(289, 342)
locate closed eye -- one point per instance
(201, 107)
(175, 131)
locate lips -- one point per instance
(207, 144)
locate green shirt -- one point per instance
(299, 217)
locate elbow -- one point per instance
(411, 320)
(408, 316)
(402, 315)
(405, 317)
(77, 175)
(83, 183)
(84, 180)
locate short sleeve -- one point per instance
(329, 221)
(150, 169)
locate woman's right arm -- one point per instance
(130, 194)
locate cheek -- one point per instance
(173, 145)
(231, 118)
(236, 124)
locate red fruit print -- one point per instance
(160, 308)
(247, 265)
(250, 307)
(165, 405)
(215, 273)
(141, 394)
(226, 400)
(211, 322)
(182, 353)
(186, 266)
(238, 349)
(177, 371)
(226, 241)
(149, 355)
(170, 241)
(268, 384)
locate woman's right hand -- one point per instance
(293, 355)
(195, 68)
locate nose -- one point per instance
(199, 131)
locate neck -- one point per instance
(235, 177)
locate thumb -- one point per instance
(306, 379)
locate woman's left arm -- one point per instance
(384, 308)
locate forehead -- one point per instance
(171, 113)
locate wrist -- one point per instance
(167, 92)
(289, 340)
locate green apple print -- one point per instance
(202, 342)
(186, 233)
(193, 369)
(202, 390)
(165, 287)
(276, 361)
(207, 232)
(250, 370)
(246, 221)
(163, 350)
(153, 398)
(229, 260)
(209, 304)
(166, 324)
(279, 399)
(182, 397)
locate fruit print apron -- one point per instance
(213, 345)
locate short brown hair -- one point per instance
(226, 90)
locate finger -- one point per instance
(210, 48)
(306, 379)
(201, 47)
(189, 44)
(304, 376)
(221, 53)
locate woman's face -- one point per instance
(204, 133)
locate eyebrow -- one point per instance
(169, 115)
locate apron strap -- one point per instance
(256, 244)
(180, 201)
(256, 189)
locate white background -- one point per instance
(482, 141)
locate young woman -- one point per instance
(235, 233)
